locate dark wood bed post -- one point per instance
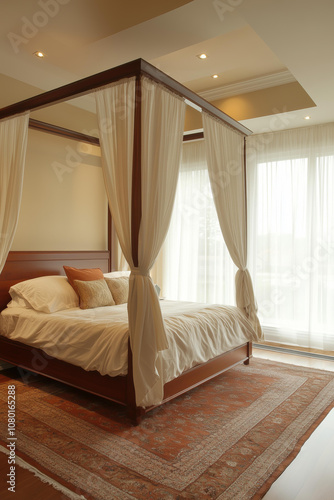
(109, 238)
(136, 175)
(250, 345)
(245, 184)
(249, 353)
(134, 412)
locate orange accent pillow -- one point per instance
(73, 273)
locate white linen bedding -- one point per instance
(97, 339)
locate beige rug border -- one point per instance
(43, 477)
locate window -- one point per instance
(196, 264)
(291, 235)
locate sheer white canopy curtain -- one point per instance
(291, 230)
(225, 158)
(13, 147)
(162, 122)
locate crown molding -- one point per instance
(262, 82)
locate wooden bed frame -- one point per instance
(26, 265)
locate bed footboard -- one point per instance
(118, 389)
(193, 378)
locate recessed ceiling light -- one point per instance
(202, 56)
(39, 54)
(306, 117)
(215, 76)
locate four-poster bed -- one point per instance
(27, 265)
(147, 91)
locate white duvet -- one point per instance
(97, 339)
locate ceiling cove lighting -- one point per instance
(202, 56)
(39, 54)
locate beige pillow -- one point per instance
(119, 288)
(73, 274)
(94, 294)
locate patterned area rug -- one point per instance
(227, 440)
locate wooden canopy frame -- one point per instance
(18, 354)
(136, 68)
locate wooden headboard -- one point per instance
(22, 266)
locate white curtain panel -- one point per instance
(162, 131)
(194, 263)
(13, 147)
(115, 112)
(225, 157)
(290, 177)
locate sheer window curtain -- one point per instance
(13, 147)
(225, 157)
(162, 131)
(291, 229)
(194, 263)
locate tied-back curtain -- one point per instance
(162, 125)
(225, 158)
(13, 147)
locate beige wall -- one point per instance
(193, 119)
(265, 102)
(64, 205)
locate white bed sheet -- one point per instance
(97, 339)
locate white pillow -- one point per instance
(117, 274)
(18, 302)
(46, 294)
